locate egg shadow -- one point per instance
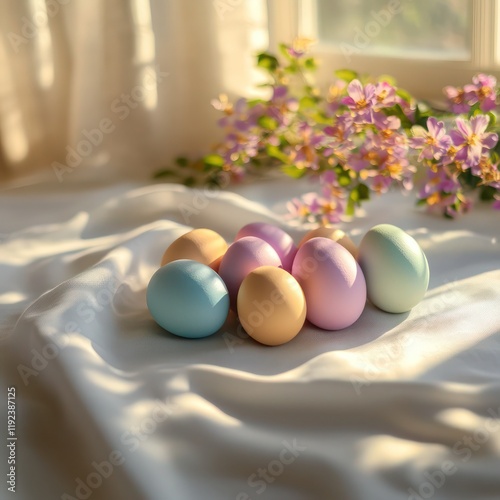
(313, 341)
(231, 347)
(372, 324)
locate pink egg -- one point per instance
(281, 241)
(333, 283)
(241, 258)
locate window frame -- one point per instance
(424, 78)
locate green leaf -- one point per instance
(307, 102)
(182, 161)
(388, 79)
(214, 181)
(397, 110)
(364, 192)
(275, 152)
(310, 63)
(163, 173)
(422, 202)
(283, 48)
(344, 178)
(189, 181)
(487, 193)
(350, 208)
(292, 68)
(493, 121)
(267, 61)
(475, 110)
(213, 160)
(404, 94)
(253, 102)
(293, 171)
(267, 123)
(346, 74)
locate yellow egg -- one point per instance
(203, 245)
(333, 234)
(271, 305)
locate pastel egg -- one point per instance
(280, 240)
(395, 268)
(333, 234)
(241, 258)
(271, 305)
(333, 283)
(187, 298)
(203, 245)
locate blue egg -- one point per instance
(187, 298)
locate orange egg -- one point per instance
(203, 245)
(271, 305)
(332, 234)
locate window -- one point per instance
(424, 44)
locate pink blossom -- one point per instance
(471, 139)
(457, 99)
(434, 143)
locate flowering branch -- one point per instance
(364, 136)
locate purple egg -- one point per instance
(281, 241)
(332, 281)
(241, 258)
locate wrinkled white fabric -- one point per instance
(372, 412)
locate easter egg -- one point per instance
(187, 298)
(203, 245)
(271, 305)
(333, 283)
(333, 234)
(395, 268)
(280, 240)
(242, 257)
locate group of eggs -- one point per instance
(274, 285)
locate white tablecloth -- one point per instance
(109, 406)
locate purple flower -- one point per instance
(456, 96)
(360, 100)
(312, 207)
(496, 203)
(438, 181)
(471, 139)
(434, 143)
(385, 95)
(442, 193)
(279, 92)
(299, 47)
(482, 90)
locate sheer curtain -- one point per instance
(119, 87)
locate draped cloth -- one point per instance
(109, 405)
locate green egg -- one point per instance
(395, 268)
